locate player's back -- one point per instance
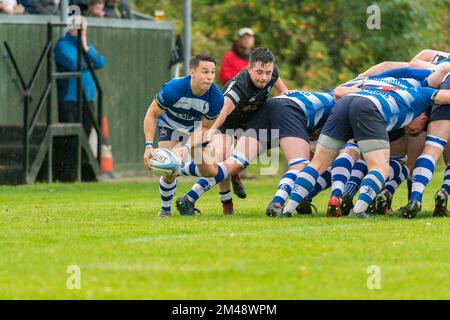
(399, 106)
(315, 105)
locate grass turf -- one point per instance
(111, 232)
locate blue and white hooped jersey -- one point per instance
(383, 81)
(315, 105)
(399, 77)
(441, 57)
(443, 60)
(183, 108)
(399, 106)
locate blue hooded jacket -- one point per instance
(66, 54)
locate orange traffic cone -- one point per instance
(106, 161)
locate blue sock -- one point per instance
(322, 183)
(167, 191)
(359, 171)
(422, 174)
(304, 184)
(395, 168)
(340, 173)
(393, 184)
(285, 186)
(370, 186)
(204, 184)
(189, 169)
(446, 182)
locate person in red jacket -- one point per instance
(235, 59)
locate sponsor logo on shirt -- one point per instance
(182, 116)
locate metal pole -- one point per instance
(49, 102)
(187, 35)
(79, 69)
(49, 71)
(100, 124)
(26, 154)
(64, 14)
(79, 102)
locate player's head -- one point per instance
(415, 127)
(260, 66)
(202, 71)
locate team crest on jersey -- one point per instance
(163, 132)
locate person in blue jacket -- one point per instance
(66, 58)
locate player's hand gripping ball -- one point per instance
(165, 162)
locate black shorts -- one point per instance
(167, 134)
(441, 112)
(396, 134)
(238, 120)
(278, 118)
(355, 117)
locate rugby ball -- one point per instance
(165, 162)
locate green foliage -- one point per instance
(317, 43)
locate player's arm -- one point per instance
(436, 78)
(228, 107)
(343, 91)
(280, 87)
(383, 66)
(153, 112)
(442, 97)
(424, 59)
(414, 73)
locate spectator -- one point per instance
(118, 9)
(82, 4)
(49, 7)
(11, 7)
(66, 60)
(235, 59)
(28, 5)
(66, 57)
(96, 9)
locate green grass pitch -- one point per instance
(110, 231)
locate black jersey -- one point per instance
(246, 97)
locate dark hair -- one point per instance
(195, 60)
(94, 2)
(262, 55)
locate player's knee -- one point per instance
(351, 151)
(208, 170)
(170, 178)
